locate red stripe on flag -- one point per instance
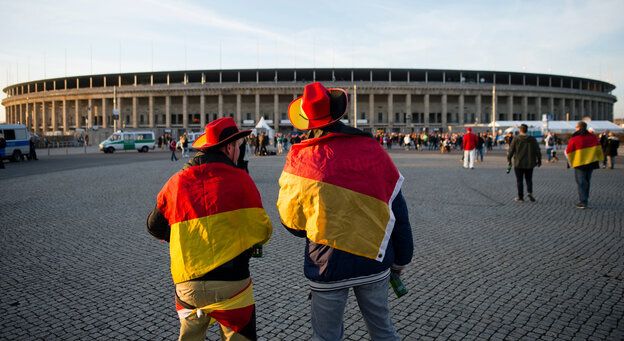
(235, 319)
(346, 161)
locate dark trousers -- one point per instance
(583, 178)
(527, 174)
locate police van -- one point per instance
(17, 141)
(142, 141)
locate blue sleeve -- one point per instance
(402, 240)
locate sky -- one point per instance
(49, 39)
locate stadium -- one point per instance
(391, 100)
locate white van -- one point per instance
(129, 140)
(192, 136)
(17, 141)
(536, 132)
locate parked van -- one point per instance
(536, 132)
(192, 136)
(129, 140)
(17, 141)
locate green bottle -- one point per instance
(397, 284)
(256, 251)
(508, 169)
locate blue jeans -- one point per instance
(583, 178)
(328, 310)
(549, 153)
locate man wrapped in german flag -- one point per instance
(211, 214)
(341, 191)
(584, 154)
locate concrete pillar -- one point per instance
(551, 106)
(220, 106)
(185, 111)
(538, 104)
(76, 115)
(572, 110)
(104, 113)
(426, 110)
(152, 121)
(525, 108)
(510, 108)
(35, 122)
(390, 111)
(371, 108)
(408, 110)
(53, 116)
(90, 110)
(563, 111)
(461, 119)
(168, 111)
(257, 97)
(64, 117)
(202, 111)
(44, 122)
(135, 121)
(478, 109)
(276, 112)
(444, 110)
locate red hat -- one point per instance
(468, 129)
(219, 132)
(318, 107)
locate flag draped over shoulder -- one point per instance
(339, 188)
(584, 149)
(215, 213)
(235, 313)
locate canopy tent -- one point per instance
(263, 127)
(560, 127)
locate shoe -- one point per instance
(519, 200)
(531, 197)
(580, 206)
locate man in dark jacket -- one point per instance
(341, 191)
(212, 215)
(612, 145)
(526, 154)
(584, 154)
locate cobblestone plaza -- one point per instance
(78, 264)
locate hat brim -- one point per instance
(202, 143)
(338, 108)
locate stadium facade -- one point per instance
(394, 100)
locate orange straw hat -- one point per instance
(318, 107)
(218, 133)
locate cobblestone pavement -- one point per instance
(78, 264)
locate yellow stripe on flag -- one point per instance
(585, 156)
(334, 216)
(200, 245)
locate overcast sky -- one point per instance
(46, 39)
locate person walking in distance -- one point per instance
(211, 214)
(173, 146)
(584, 154)
(526, 154)
(341, 191)
(612, 145)
(469, 145)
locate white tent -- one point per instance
(560, 127)
(263, 127)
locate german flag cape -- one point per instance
(583, 149)
(215, 213)
(339, 188)
(235, 313)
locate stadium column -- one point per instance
(478, 109)
(239, 110)
(151, 111)
(562, 103)
(220, 106)
(510, 108)
(525, 108)
(185, 111)
(90, 111)
(257, 108)
(371, 108)
(64, 116)
(43, 118)
(35, 122)
(135, 122)
(408, 110)
(104, 113)
(444, 111)
(572, 109)
(76, 114)
(426, 109)
(460, 119)
(53, 116)
(538, 104)
(551, 106)
(276, 112)
(391, 114)
(202, 110)
(168, 111)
